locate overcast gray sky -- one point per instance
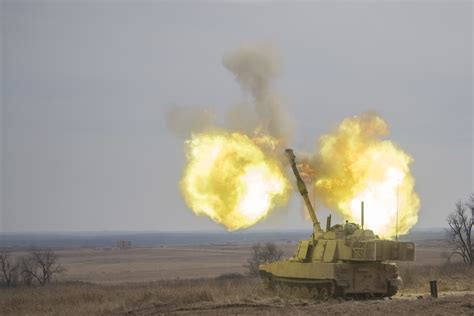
(86, 85)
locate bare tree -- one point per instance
(9, 269)
(40, 266)
(27, 268)
(262, 254)
(460, 231)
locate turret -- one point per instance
(303, 191)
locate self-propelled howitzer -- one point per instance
(342, 260)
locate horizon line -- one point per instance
(148, 231)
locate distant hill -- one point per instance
(146, 239)
(90, 240)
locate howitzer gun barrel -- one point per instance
(303, 190)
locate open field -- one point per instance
(187, 279)
(173, 262)
(155, 263)
(110, 265)
(113, 265)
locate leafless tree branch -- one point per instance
(9, 269)
(40, 266)
(460, 230)
(262, 254)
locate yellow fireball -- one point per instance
(355, 164)
(229, 178)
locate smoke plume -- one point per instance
(254, 67)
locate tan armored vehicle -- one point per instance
(343, 260)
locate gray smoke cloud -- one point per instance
(254, 67)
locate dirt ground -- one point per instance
(449, 304)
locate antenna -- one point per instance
(398, 193)
(362, 214)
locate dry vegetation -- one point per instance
(87, 299)
(37, 268)
(222, 295)
(450, 276)
(106, 289)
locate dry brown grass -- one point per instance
(75, 298)
(451, 277)
(87, 299)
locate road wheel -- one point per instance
(283, 290)
(324, 294)
(278, 288)
(267, 283)
(304, 292)
(314, 293)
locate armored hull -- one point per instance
(338, 265)
(334, 279)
